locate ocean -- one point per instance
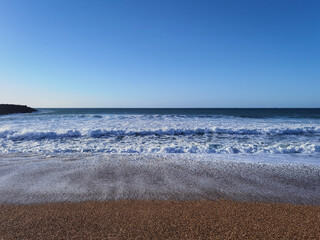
(164, 131)
(58, 155)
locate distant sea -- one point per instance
(224, 132)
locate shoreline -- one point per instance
(135, 219)
(156, 197)
(25, 180)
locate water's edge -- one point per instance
(40, 179)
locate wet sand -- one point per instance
(41, 179)
(160, 220)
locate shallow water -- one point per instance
(28, 179)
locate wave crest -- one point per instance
(42, 135)
(99, 133)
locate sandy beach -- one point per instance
(160, 220)
(156, 197)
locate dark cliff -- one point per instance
(12, 108)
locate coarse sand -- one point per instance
(160, 220)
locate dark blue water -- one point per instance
(234, 112)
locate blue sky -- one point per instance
(63, 53)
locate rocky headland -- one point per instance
(12, 108)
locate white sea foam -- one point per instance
(64, 133)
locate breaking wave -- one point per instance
(157, 134)
(98, 133)
(14, 136)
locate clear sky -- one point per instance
(164, 53)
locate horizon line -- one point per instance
(182, 107)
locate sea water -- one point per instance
(162, 131)
(109, 154)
